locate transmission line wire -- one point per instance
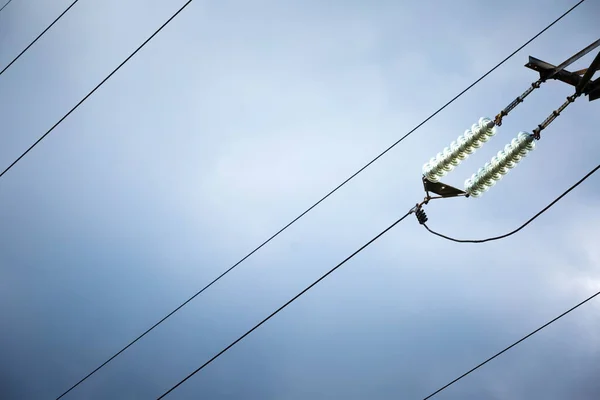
(94, 89)
(288, 302)
(38, 37)
(358, 251)
(362, 248)
(512, 345)
(311, 207)
(4, 6)
(522, 226)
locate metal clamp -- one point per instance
(517, 101)
(537, 131)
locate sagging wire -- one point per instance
(488, 175)
(422, 218)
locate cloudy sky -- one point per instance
(234, 120)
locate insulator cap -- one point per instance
(459, 150)
(500, 164)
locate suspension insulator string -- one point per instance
(500, 165)
(459, 150)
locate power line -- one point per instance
(37, 38)
(94, 89)
(522, 226)
(365, 246)
(288, 303)
(314, 205)
(512, 345)
(4, 6)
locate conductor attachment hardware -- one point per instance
(537, 131)
(421, 216)
(517, 101)
(583, 84)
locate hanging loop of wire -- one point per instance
(301, 215)
(522, 226)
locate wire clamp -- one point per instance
(421, 216)
(517, 101)
(537, 131)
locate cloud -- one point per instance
(236, 119)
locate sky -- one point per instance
(236, 118)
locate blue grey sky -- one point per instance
(235, 119)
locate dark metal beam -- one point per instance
(441, 189)
(589, 88)
(593, 90)
(574, 58)
(547, 71)
(581, 83)
(594, 66)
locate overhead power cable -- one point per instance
(314, 205)
(522, 226)
(4, 6)
(94, 89)
(288, 303)
(38, 37)
(415, 209)
(512, 345)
